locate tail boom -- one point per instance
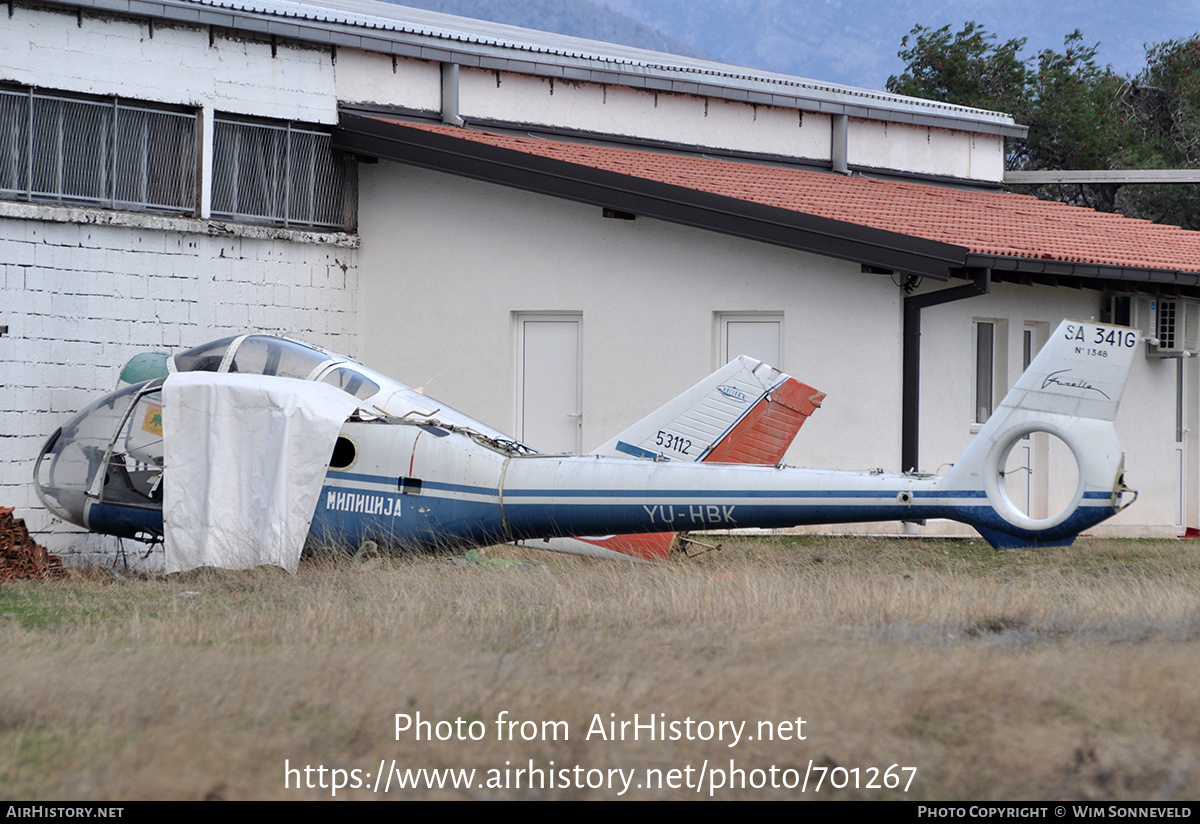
(1071, 390)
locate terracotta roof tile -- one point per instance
(988, 223)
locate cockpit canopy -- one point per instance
(278, 357)
(109, 453)
(106, 464)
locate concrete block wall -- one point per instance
(83, 290)
(166, 64)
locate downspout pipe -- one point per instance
(910, 403)
(839, 151)
(450, 113)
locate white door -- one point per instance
(549, 390)
(759, 336)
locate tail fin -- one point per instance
(745, 412)
(1071, 390)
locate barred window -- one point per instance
(285, 174)
(109, 152)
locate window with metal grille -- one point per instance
(108, 152)
(286, 174)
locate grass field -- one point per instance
(1048, 674)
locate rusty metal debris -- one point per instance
(21, 557)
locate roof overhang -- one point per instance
(1087, 275)
(585, 172)
(387, 139)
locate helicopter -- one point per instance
(203, 459)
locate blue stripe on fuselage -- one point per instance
(438, 518)
(348, 516)
(675, 493)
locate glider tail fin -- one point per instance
(745, 412)
(1072, 391)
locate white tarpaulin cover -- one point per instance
(244, 457)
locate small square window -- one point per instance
(757, 334)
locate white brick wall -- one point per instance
(175, 64)
(84, 290)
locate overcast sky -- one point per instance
(855, 41)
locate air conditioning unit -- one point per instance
(1178, 328)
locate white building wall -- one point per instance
(685, 119)
(372, 78)
(85, 290)
(445, 267)
(925, 150)
(1147, 426)
(172, 64)
(619, 110)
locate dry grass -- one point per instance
(1043, 674)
